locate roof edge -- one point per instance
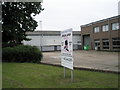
(99, 21)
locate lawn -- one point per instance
(28, 75)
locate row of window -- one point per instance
(115, 26)
(105, 42)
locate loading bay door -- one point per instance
(86, 40)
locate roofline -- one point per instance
(103, 20)
(50, 32)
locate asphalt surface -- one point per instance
(86, 59)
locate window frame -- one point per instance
(117, 43)
(104, 45)
(105, 28)
(115, 25)
(96, 29)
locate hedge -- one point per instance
(22, 53)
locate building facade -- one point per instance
(50, 40)
(102, 35)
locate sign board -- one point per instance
(67, 49)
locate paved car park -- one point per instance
(100, 60)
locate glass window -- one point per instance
(116, 43)
(96, 29)
(115, 26)
(105, 44)
(105, 28)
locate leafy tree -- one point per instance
(17, 19)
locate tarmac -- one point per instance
(92, 60)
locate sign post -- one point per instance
(67, 51)
(64, 72)
(72, 75)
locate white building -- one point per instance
(50, 40)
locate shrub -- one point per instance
(21, 53)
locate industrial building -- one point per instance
(102, 35)
(51, 40)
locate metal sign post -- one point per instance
(64, 72)
(67, 51)
(72, 75)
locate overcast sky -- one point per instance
(65, 14)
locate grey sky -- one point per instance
(64, 14)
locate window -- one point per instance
(105, 28)
(116, 43)
(115, 26)
(105, 44)
(96, 29)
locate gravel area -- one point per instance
(86, 59)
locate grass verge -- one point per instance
(29, 75)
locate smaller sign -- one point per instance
(67, 49)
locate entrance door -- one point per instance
(97, 44)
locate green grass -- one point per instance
(28, 75)
(0, 75)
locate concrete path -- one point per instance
(87, 59)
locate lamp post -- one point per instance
(41, 35)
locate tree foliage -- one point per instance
(17, 19)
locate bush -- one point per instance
(22, 53)
(4, 44)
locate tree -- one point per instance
(17, 19)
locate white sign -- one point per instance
(67, 49)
